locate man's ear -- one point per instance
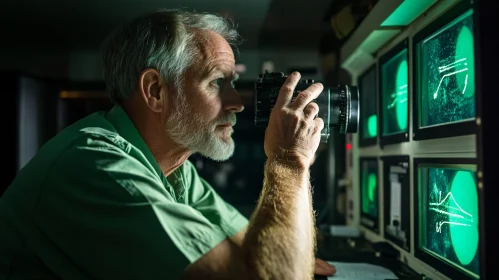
(153, 89)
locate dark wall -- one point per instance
(29, 117)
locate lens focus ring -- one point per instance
(343, 108)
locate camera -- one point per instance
(338, 106)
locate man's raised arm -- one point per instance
(280, 239)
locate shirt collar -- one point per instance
(126, 129)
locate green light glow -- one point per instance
(394, 89)
(465, 50)
(369, 189)
(463, 217)
(401, 105)
(372, 126)
(371, 183)
(408, 11)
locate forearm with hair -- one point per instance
(280, 240)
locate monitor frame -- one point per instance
(375, 220)
(405, 200)
(486, 61)
(400, 136)
(374, 140)
(434, 262)
(444, 130)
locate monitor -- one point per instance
(446, 213)
(394, 89)
(444, 99)
(396, 190)
(368, 111)
(369, 211)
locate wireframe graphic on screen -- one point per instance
(450, 216)
(394, 91)
(368, 115)
(396, 190)
(447, 70)
(369, 187)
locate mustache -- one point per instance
(229, 118)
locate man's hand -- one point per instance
(293, 131)
(323, 268)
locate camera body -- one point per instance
(338, 106)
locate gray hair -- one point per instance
(164, 40)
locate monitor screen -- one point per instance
(448, 215)
(369, 192)
(394, 94)
(446, 74)
(368, 116)
(396, 183)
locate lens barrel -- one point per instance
(338, 106)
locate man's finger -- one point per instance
(306, 96)
(319, 124)
(286, 91)
(324, 270)
(311, 110)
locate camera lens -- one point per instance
(338, 106)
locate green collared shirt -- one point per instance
(94, 204)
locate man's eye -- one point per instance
(219, 82)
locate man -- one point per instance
(114, 197)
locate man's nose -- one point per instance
(232, 101)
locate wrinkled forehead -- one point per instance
(211, 44)
(213, 51)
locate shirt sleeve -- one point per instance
(104, 214)
(208, 202)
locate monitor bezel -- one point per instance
(374, 140)
(406, 198)
(484, 17)
(434, 262)
(375, 220)
(449, 129)
(401, 136)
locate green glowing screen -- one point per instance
(394, 86)
(447, 74)
(449, 220)
(368, 117)
(369, 187)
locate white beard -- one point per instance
(191, 131)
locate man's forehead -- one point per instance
(212, 46)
